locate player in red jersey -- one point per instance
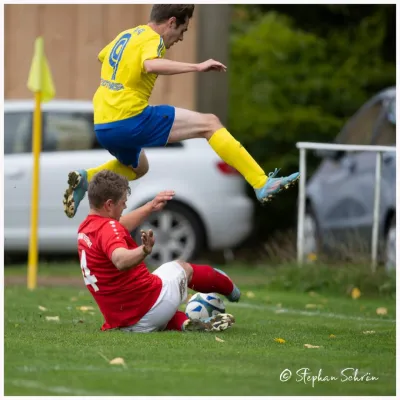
(128, 295)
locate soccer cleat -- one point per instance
(274, 185)
(291, 180)
(216, 323)
(77, 187)
(235, 295)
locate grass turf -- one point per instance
(67, 357)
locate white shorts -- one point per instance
(173, 294)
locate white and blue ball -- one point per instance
(204, 305)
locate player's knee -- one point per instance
(141, 170)
(188, 269)
(213, 124)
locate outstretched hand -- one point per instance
(148, 240)
(211, 65)
(159, 202)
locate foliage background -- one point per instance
(297, 73)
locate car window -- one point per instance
(68, 131)
(17, 132)
(71, 132)
(360, 127)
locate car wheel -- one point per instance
(178, 232)
(390, 247)
(311, 237)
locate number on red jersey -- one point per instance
(87, 276)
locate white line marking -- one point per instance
(54, 389)
(89, 368)
(310, 313)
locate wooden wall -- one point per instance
(73, 36)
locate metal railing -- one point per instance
(303, 147)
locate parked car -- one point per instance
(340, 194)
(210, 210)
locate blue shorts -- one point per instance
(125, 139)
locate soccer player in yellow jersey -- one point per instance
(125, 123)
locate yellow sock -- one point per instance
(115, 166)
(234, 154)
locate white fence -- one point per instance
(303, 147)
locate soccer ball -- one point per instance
(204, 305)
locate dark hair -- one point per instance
(106, 185)
(163, 12)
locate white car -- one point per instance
(210, 210)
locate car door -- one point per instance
(17, 178)
(349, 189)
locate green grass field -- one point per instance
(69, 357)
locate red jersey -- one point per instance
(123, 297)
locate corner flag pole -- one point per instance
(41, 84)
(33, 238)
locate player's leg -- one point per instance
(133, 166)
(206, 279)
(129, 171)
(123, 140)
(189, 124)
(176, 276)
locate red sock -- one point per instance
(206, 279)
(176, 322)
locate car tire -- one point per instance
(178, 231)
(390, 246)
(311, 236)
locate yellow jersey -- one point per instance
(125, 86)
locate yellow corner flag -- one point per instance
(41, 83)
(40, 79)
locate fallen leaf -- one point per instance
(310, 346)
(279, 311)
(279, 340)
(74, 299)
(219, 340)
(91, 313)
(368, 332)
(118, 361)
(332, 336)
(313, 294)
(56, 318)
(250, 295)
(41, 308)
(381, 311)
(355, 293)
(311, 257)
(85, 308)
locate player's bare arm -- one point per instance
(136, 217)
(125, 259)
(160, 66)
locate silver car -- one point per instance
(211, 208)
(340, 194)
